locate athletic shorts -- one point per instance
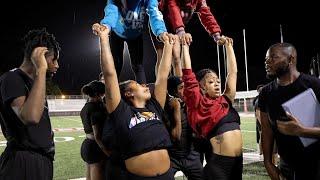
(91, 152)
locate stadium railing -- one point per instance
(71, 105)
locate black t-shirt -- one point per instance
(109, 140)
(93, 113)
(184, 146)
(108, 134)
(271, 98)
(37, 137)
(140, 130)
(229, 122)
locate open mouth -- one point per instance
(217, 90)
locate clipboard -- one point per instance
(306, 108)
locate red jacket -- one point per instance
(204, 113)
(172, 11)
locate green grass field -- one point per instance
(68, 163)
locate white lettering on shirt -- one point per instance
(142, 117)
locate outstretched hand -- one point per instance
(176, 51)
(100, 30)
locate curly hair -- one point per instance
(40, 38)
(202, 73)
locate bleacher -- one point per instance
(65, 107)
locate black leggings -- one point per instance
(135, 47)
(223, 168)
(190, 165)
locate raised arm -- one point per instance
(174, 17)
(177, 66)
(160, 91)
(185, 58)
(231, 80)
(29, 110)
(192, 92)
(176, 59)
(113, 96)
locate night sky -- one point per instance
(70, 22)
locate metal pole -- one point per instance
(317, 59)
(225, 62)
(281, 35)
(74, 16)
(245, 57)
(219, 71)
(313, 67)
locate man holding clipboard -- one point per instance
(304, 121)
(297, 160)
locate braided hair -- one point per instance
(202, 73)
(40, 38)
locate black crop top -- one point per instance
(228, 123)
(140, 130)
(93, 113)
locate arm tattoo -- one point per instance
(219, 139)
